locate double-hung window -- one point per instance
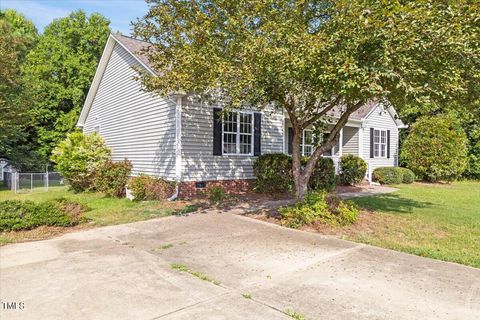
(380, 143)
(307, 143)
(238, 133)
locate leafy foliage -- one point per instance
(317, 206)
(17, 36)
(352, 169)
(273, 172)
(436, 149)
(79, 157)
(393, 175)
(18, 215)
(323, 176)
(150, 188)
(217, 194)
(59, 71)
(309, 57)
(112, 178)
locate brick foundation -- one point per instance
(188, 189)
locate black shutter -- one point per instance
(217, 132)
(388, 143)
(371, 142)
(257, 134)
(290, 140)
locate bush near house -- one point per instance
(146, 187)
(323, 177)
(24, 215)
(112, 178)
(78, 158)
(352, 169)
(273, 173)
(393, 175)
(436, 149)
(318, 206)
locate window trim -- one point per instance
(380, 144)
(238, 134)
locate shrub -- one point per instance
(273, 173)
(318, 206)
(78, 157)
(436, 149)
(112, 178)
(323, 176)
(407, 175)
(352, 169)
(216, 194)
(17, 215)
(150, 188)
(388, 175)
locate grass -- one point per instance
(294, 315)
(430, 220)
(166, 246)
(247, 295)
(101, 211)
(183, 268)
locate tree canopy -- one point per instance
(309, 57)
(17, 36)
(59, 70)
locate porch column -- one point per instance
(340, 143)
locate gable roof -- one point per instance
(132, 46)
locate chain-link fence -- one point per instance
(22, 182)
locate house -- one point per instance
(182, 139)
(5, 169)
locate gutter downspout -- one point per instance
(178, 144)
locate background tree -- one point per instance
(59, 71)
(436, 149)
(309, 57)
(17, 36)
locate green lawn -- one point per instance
(100, 209)
(437, 221)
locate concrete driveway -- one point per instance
(122, 272)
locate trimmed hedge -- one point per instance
(352, 169)
(112, 178)
(323, 177)
(274, 173)
(146, 187)
(393, 175)
(408, 175)
(17, 215)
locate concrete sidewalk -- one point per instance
(124, 272)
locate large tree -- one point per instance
(17, 36)
(59, 71)
(309, 57)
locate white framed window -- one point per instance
(238, 133)
(307, 143)
(380, 143)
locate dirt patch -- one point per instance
(40, 233)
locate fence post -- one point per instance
(46, 176)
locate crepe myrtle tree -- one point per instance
(309, 57)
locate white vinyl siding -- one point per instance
(198, 161)
(380, 120)
(134, 124)
(350, 140)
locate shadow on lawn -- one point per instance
(391, 202)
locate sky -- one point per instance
(42, 12)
